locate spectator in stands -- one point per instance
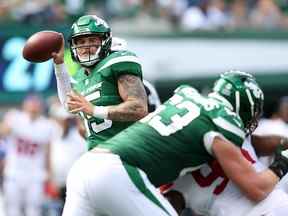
(172, 10)
(122, 8)
(4, 9)
(238, 14)
(36, 11)
(267, 15)
(74, 8)
(207, 15)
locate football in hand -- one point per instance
(41, 45)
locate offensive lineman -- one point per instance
(184, 133)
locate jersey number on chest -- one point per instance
(92, 124)
(180, 114)
(26, 147)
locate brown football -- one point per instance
(41, 45)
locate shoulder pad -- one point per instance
(120, 62)
(185, 88)
(121, 53)
(118, 57)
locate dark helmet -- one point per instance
(244, 94)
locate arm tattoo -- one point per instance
(133, 86)
(134, 107)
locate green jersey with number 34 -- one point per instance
(100, 88)
(173, 140)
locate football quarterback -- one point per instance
(108, 92)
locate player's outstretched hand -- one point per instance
(280, 164)
(77, 103)
(58, 57)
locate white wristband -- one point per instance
(63, 83)
(100, 112)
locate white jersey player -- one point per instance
(27, 158)
(275, 125)
(209, 192)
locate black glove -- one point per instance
(280, 164)
(176, 199)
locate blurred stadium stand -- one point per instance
(185, 15)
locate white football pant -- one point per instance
(100, 184)
(21, 195)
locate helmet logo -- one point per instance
(99, 21)
(227, 89)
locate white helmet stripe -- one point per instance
(250, 98)
(222, 99)
(237, 102)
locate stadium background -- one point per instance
(176, 42)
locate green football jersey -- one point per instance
(101, 89)
(170, 141)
